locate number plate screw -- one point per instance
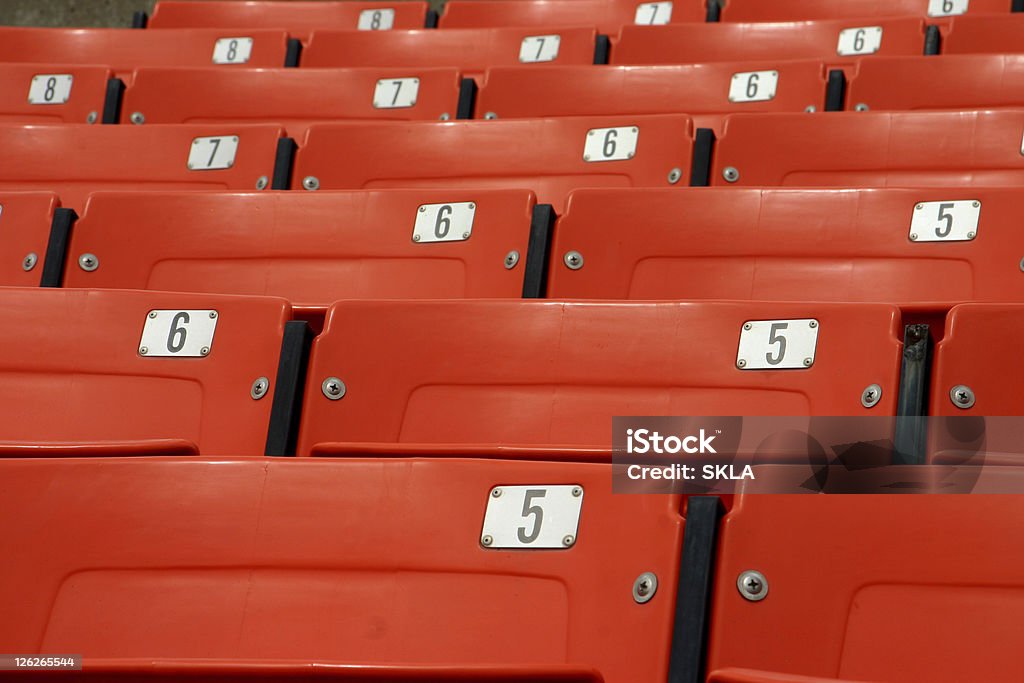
(333, 388)
(808, 362)
(213, 314)
(496, 493)
(752, 585)
(88, 262)
(919, 207)
(511, 259)
(970, 235)
(259, 388)
(871, 395)
(465, 235)
(975, 204)
(731, 174)
(143, 350)
(137, 118)
(741, 363)
(205, 351)
(415, 238)
(311, 183)
(573, 260)
(568, 540)
(644, 588)
(486, 540)
(577, 491)
(29, 262)
(813, 324)
(747, 326)
(152, 314)
(913, 237)
(962, 396)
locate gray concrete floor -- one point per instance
(117, 13)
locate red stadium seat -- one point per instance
(845, 599)
(704, 91)
(548, 156)
(311, 248)
(25, 222)
(953, 82)
(799, 10)
(838, 41)
(293, 97)
(544, 379)
(792, 245)
(299, 19)
(472, 51)
(76, 160)
(607, 15)
(855, 149)
(36, 93)
(193, 568)
(89, 372)
(984, 34)
(124, 50)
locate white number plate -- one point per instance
(396, 93)
(50, 89)
(945, 221)
(777, 344)
(532, 516)
(539, 48)
(212, 154)
(947, 8)
(181, 334)
(610, 144)
(376, 19)
(753, 86)
(444, 222)
(653, 13)
(232, 51)
(860, 41)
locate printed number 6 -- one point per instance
(443, 224)
(534, 510)
(609, 143)
(774, 338)
(858, 40)
(177, 328)
(752, 85)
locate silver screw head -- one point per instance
(152, 314)
(871, 395)
(511, 259)
(810, 109)
(577, 491)
(861, 107)
(465, 235)
(962, 396)
(29, 262)
(975, 204)
(213, 314)
(970, 235)
(415, 238)
(143, 350)
(205, 351)
(913, 237)
(568, 540)
(88, 262)
(752, 585)
(812, 324)
(496, 493)
(262, 182)
(573, 260)
(137, 118)
(1022, 265)
(741, 363)
(644, 588)
(731, 174)
(808, 362)
(674, 175)
(490, 115)
(747, 326)
(311, 183)
(445, 116)
(486, 540)
(919, 207)
(259, 388)
(93, 117)
(333, 388)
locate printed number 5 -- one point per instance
(943, 216)
(535, 510)
(774, 338)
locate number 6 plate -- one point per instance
(532, 516)
(777, 344)
(179, 334)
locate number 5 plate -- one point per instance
(777, 344)
(532, 516)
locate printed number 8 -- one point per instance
(51, 85)
(232, 50)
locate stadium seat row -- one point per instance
(173, 373)
(921, 249)
(551, 156)
(474, 50)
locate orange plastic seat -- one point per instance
(293, 97)
(799, 10)
(984, 34)
(544, 379)
(867, 149)
(124, 50)
(25, 222)
(838, 41)
(311, 248)
(951, 83)
(472, 51)
(91, 372)
(792, 245)
(76, 160)
(845, 598)
(52, 93)
(299, 19)
(543, 155)
(607, 15)
(193, 567)
(704, 91)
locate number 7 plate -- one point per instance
(539, 516)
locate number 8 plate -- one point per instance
(532, 516)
